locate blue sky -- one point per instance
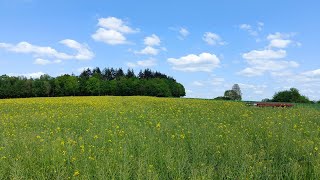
(264, 46)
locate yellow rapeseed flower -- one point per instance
(76, 173)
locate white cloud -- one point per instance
(152, 40)
(261, 61)
(28, 75)
(245, 26)
(271, 65)
(253, 31)
(112, 31)
(27, 48)
(116, 24)
(280, 40)
(184, 32)
(43, 62)
(279, 43)
(279, 35)
(143, 63)
(250, 72)
(264, 54)
(40, 61)
(148, 51)
(111, 37)
(313, 73)
(259, 67)
(204, 62)
(83, 52)
(213, 39)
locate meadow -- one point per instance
(156, 138)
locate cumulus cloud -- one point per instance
(204, 62)
(252, 30)
(40, 61)
(152, 40)
(27, 48)
(143, 63)
(280, 40)
(112, 31)
(264, 54)
(116, 24)
(279, 43)
(261, 61)
(83, 51)
(259, 67)
(43, 62)
(183, 32)
(213, 39)
(148, 51)
(268, 59)
(110, 36)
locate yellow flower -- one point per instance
(76, 173)
(158, 125)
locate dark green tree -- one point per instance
(291, 95)
(94, 86)
(233, 95)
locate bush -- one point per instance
(222, 98)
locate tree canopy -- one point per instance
(233, 94)
(291, 95)
(93, 82)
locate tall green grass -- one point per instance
(156, 138)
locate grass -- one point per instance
(156, 138)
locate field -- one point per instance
(156, 138)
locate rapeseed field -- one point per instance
(156, 138)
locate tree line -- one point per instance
(93, 82)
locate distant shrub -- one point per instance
(222, 98)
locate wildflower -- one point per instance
(76, 173)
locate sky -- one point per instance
(206, 45)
